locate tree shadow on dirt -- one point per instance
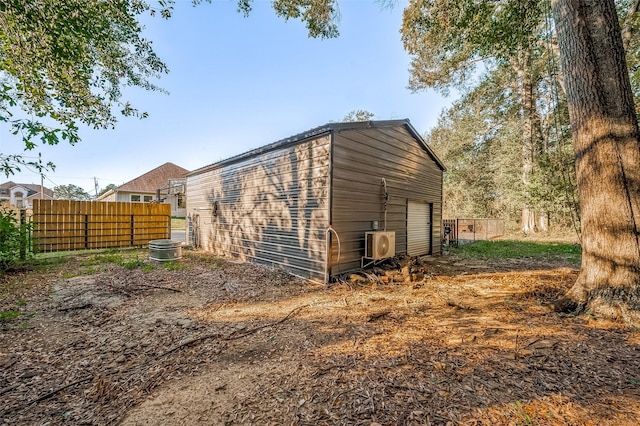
(407, 355)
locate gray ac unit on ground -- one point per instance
(379, 244)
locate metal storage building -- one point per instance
(311, 203)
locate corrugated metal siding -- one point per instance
(361, 158)
(418, 228)
(436, 228)
(272, 208)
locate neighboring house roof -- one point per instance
(152, 180)
(327, 128)
(32, 189)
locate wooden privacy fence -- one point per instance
(464, 230)
(61, 225)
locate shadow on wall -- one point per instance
(273, 209)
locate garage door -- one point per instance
(418, 228)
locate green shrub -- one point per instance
(13, 239)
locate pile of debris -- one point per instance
(399, 269)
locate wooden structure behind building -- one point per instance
(467, 230)
(61, 225)
(305, 203)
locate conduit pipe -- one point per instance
(386, 200)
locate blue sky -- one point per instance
(238, 83)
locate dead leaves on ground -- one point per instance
(476, 348)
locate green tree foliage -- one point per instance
(70, 192)
(501, 57)
(448, 39)
(64, 62)
(358, 115)
(13, 239)
(479, 138)
(474, 142)
(630, 20)
(107, 189)
(319, 16)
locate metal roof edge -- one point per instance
(309, 134)
(318, 131)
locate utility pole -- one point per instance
(95, 184)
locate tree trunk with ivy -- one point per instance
(607, 158)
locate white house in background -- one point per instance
(21, 195)
(165, 184)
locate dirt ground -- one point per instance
(220, 343)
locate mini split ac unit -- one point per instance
(379, 244)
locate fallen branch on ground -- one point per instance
(48, 394)
(76, 308)
(232, 336)
(159, 287)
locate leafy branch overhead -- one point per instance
(320, 17)
(448, 39)
(64, 62)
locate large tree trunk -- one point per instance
(531, 136)
(607, 151)
(531, 141)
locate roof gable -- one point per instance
(29, 187)
(327, 128)
(154, 179)
(7, 185)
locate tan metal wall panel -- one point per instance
(271, 208)
(361, 158)
(436, 228)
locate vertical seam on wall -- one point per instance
(331, 144)
(330, 249)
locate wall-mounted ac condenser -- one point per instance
(379, 244)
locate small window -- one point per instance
(3, 191)
(135, 198)
(182, 203)
(148, 198)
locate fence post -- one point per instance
(86, 231)
(132, 223)
(23, 234)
